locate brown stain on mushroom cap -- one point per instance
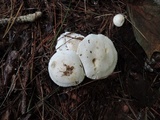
(53, 64)
(94, 63)
(106, 50)
(93, 60)
(68, 71)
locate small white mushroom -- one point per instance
(68, 41)
(118, 20)
(98, 56)
(65, 68)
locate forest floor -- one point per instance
(28, 93)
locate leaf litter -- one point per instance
(27, 92)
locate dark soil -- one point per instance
(28, 93)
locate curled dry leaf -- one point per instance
(145, 19)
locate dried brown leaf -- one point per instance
(145, 19)
(5, 116)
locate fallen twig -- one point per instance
(24, 18)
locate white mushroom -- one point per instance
(118, 20)
(65, 68)
(98, 56)
(68, 41)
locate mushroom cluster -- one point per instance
(93, 56)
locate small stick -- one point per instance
(24, 18)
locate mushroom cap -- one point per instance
(65, 68)
(68, 41)
(98, 56)
(118, 20)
